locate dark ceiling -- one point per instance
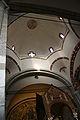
(65, 8)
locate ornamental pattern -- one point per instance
(74, 81)
(23, 111)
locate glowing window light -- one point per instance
(60, 18)
(51, 50)
(13, 47)
(61, 35)
(31, 54)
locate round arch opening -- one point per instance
(61, 111)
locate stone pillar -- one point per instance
(3, 39)
(2, 6)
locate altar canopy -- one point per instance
(58, 104)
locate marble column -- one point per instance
(2, 7)
(3, 39)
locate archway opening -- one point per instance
(61, 111)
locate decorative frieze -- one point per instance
(73, 57)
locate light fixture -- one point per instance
(51, 49)
(13, 48)
(61, 35)
(31, 54)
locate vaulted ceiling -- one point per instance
(42, 43)
(36, 33)
(37, 41)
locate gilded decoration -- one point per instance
(23, 111)
(53, 96)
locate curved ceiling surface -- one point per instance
(37, 33)
(75, 25)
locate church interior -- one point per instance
(40, 53)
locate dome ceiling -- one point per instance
(33, 33)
